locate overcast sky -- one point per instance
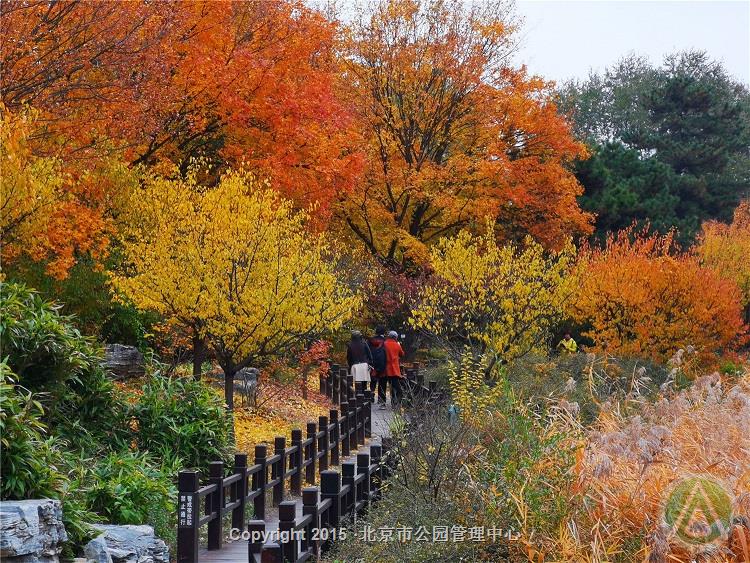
(563, 39)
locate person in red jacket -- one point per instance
(393, 354)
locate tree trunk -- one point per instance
(229, 388)
(199, 354)
(488, 371)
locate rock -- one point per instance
(124, 361)
(96, 551)
(247, 380)
(31, 530)
(134, 544)
(248, 376)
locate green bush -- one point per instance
(42, 346)
(527, 463)
(29, 459)
(51, 357)
(184, 419)
(510, 468)
(128, 488)
(34, 465)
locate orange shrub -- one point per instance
(640, 296)
(726, 250)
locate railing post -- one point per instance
(278, 469)
(287, 521)
(188, 483)
(361, 419)
(323, 446)
(348, 471)
(331, 389)
(334, 445)
(363, 466)
(216, 477)
(240, 492)
(310, 498)
(311, 455)
(353, 418)
(345, 420)
(342, 385)
(368, 413)
(433, 391)
(330, 487)
(272, 554)
(296, 463)
(256, 528)
(350, 388)
(259, 482)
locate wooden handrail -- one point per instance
(325, 444)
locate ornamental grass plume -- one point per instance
(630, 463)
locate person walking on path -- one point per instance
(377, 347)
(568, 345)
(359, 359)
(393, 354)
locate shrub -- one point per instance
(428, 487)
(500, 466)
(50, 356)
(525, 475)
(33, 465)
(182, 418)
(29, 459)
(128, 488)
(42, 346)
(641, 297)
(497, 301)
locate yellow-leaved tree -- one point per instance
(235, 263)
(726, 250)
(493, 302)
(31, 188)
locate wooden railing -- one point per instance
(326, 443)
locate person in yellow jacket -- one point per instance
(568, 345)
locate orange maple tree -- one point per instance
(249, 83)
(641, 296)
(453, 133)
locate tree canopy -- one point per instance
(670, 144)
(234, 263)
(453, 133)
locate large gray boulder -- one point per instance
(96, 551)
(31, 531)
(123, 361)
(133, 544)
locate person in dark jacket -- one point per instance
(359, 358)
(377, 347)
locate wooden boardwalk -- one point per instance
(238, 551)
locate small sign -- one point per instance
(185, 512)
